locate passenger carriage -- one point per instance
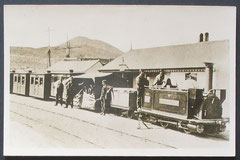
(40, 85)
(20, 83)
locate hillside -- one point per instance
(81, 47)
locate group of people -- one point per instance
(69, 89)
(160, 82)
(105, 97)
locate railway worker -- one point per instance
(169, 84)
(59, 93)
(70, 94)
(158, 81)
(190, 82)
(141, 82)
(105, 97)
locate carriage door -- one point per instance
(19, 84)
(32, 86)
(41, 87)
(36, 86)
(23, 84)
(53, 85)
(15, 82)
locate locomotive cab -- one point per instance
(195, 101)
(207, 110)
(210, 105)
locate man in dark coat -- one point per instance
(141, 81)
(70, 94)
(59, 92)
(105, 97)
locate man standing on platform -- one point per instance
(59, 92)
(141, 81)
(70, 94)
(105, 97)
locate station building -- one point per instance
(176, 61)
(208, 61)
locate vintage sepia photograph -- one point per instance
(119, 80)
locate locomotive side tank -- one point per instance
(189, 110)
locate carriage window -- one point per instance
(19, 78)
(23, 80)
(32, 80)
(15, 78)
(41, 81)
(36, 80)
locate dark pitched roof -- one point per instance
(176, 56)
(75, 65)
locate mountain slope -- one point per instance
(80, 47)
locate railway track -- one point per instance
(53, 127)
(82, 121)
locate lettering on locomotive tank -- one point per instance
(147, 99)
(170, 102)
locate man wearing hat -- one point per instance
(59, 92)
(70, 94)
(141, 81)
(105, 97)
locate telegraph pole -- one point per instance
(68, 48)
(49, 48)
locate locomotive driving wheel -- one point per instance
(163, 124)
(183, 127)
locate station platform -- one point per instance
(165, 138)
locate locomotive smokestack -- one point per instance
(206, 36)
(209, 74)
(201, 38)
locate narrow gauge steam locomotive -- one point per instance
(189, 110)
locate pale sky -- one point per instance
(143, 26)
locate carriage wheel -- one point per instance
(164, 124)
(187, 131)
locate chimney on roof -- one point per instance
(206, 36)
(201, 38)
